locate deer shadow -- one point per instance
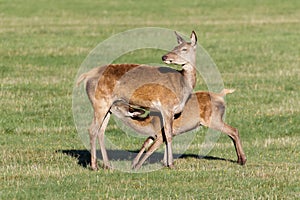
(84, 157)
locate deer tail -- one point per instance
(81, 78)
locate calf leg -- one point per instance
(157, 142)
(146, 144)
(234, 135)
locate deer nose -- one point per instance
(164, 57)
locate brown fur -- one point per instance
(205, 107)
(153, 91)
(110, 76)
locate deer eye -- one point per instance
(184, 49)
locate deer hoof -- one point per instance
(106, 166)
(171, 166)
(94, 168)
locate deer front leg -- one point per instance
(169, 152)
(168, 128)
(165, 159)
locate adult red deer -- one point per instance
(155, 88)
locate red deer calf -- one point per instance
(202, 109)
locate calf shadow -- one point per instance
(84, 156)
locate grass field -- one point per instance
(255, 45)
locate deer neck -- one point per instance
(189, 74)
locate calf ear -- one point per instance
(193, 38)
(179, 38)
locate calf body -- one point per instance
(202, 109)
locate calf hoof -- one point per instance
(242, 161)
(136, 167)
(134, 164)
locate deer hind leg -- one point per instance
(146, 144)
(93, 131)
(97, 129)
(234, 135)
(155, 145)
(106, 164)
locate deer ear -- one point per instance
(179, 38)
(193, 38)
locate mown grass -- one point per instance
(255, 45)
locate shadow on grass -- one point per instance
(84, 156)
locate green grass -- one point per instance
(255, 45)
